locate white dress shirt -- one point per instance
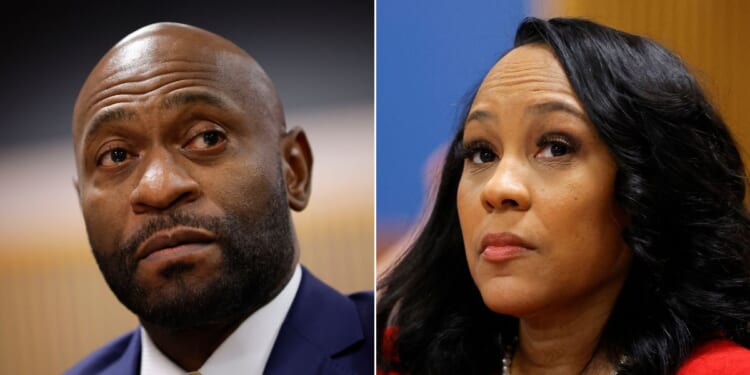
(245, 351)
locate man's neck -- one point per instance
(190, 348)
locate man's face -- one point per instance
(178, 149)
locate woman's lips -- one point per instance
(497, 247)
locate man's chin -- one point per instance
(180, 305)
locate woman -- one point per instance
(589, 220)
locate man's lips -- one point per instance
(501, 246)
(172, 238)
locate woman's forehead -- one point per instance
(532, 66)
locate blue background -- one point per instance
(430, 55)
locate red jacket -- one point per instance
(717, 357)
(720, 357)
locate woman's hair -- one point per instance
(681, 181)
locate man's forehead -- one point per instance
(159, 43)
(141, 54)
(179, 33)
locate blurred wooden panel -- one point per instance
(710, 36)
(56, 305)
(336, 230)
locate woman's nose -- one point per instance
(507, 189)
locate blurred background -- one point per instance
(56, 305)
(432, 54)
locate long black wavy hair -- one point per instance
(680, 179)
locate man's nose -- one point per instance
(163, 185)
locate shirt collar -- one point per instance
(246, 350)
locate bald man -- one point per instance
(186, 174)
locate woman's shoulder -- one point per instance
(388, 350)
(722, 357)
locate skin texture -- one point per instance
(535, 168)
(177, 129)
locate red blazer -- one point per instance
(717, 357)
(722, 357)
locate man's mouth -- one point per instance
(174, 238)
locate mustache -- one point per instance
(169, 221)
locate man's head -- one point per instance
(185, 176)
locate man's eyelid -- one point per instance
(203, 126)
(99, 162)
(108, 146)
(199, 138)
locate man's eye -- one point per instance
(206, 140)
(113, 157)
(211, 138)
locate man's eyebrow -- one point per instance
(188, 97)
(108, 115)
(555, 106)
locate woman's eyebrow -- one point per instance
(537, 109)
(554, 106)
(481, 116)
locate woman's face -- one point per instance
(541, 228)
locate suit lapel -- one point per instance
(321, 324)
(129, 362)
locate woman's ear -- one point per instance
(297, 163)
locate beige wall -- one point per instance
(710, 36)
(56, 305)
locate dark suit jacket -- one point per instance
(323, 333)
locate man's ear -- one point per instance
(297, 163)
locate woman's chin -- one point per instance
(508, 301)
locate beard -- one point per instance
(257, 256)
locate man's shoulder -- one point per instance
(315, 294)
(365, 302)
(325, 330)
(364, 298)
(119, 356)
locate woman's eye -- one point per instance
(555, 146)
(555, 149)
(206, 140)
(478, 154)
(482, 156)
(113, 157)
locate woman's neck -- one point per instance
(566, 340)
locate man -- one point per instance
(186, 174)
